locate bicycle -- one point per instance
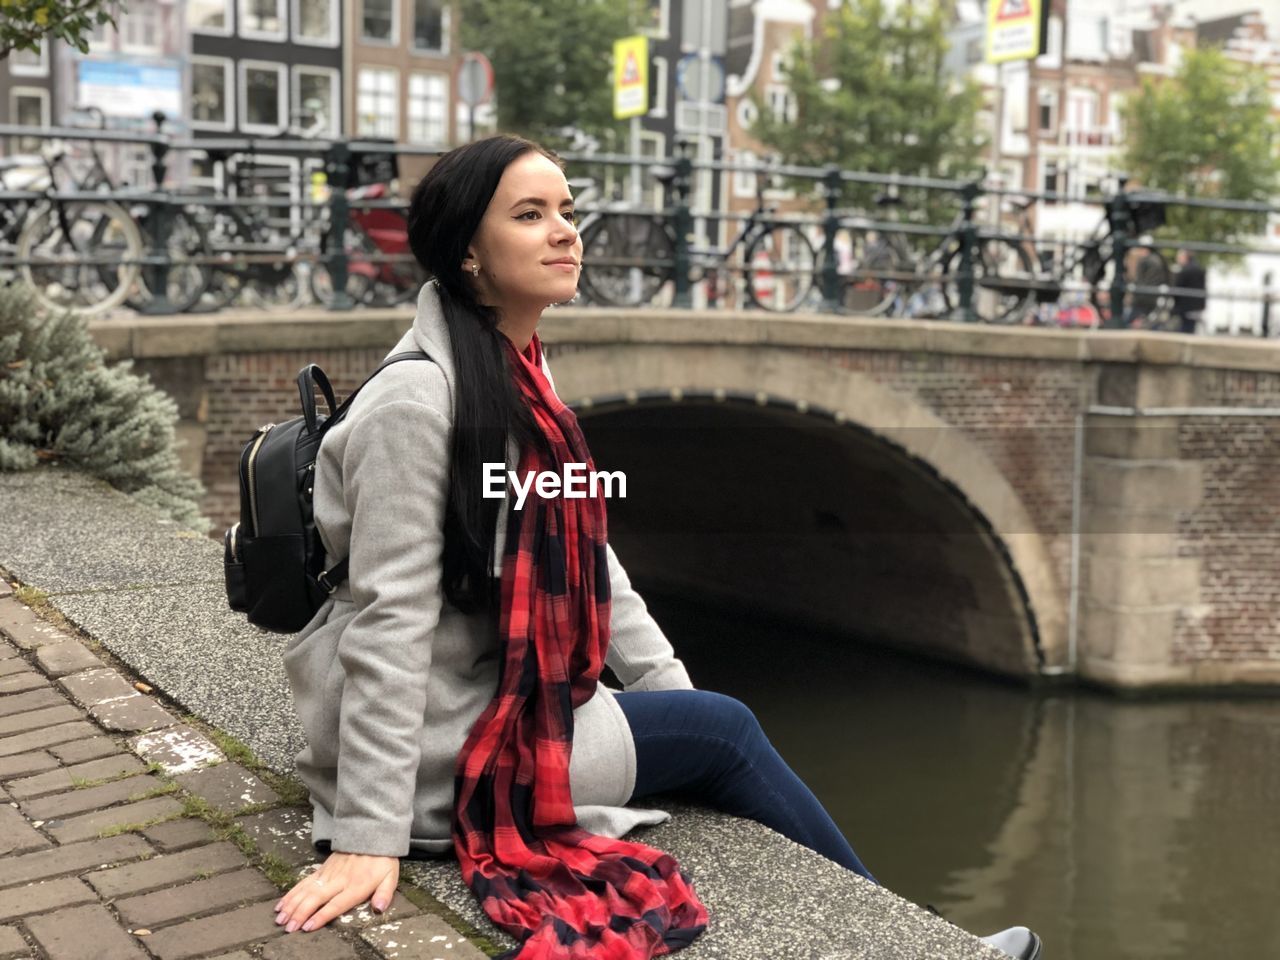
(79, 254)
(628, 258)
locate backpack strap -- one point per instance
(329, 580)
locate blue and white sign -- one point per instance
(700, 79)
(124, 88)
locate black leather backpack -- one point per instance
(273, 557)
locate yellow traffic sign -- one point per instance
(630, 77)
(1015, 29)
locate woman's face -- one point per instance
(528, 249)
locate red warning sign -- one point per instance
(631, 69)
(1013, 9)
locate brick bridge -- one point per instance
(1034, 502)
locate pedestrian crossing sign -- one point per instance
(630, 77)
(1016, 29)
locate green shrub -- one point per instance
(61, 403)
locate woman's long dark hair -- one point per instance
(444, 213)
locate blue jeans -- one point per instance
(710, 748)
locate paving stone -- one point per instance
(24, 764)
(33, 634)
(96, 686)
(237, 955)
(14, 617)
(424, 937)
(65, 778)
(17, 703)
(322, 944)
(7, 649)
(12, 945)
(179, 834)
(192, 899)
(60, 806)
(38, 719)
(22, 680)
(80, 932)
(43, 896)
(363, 915)
(228, 786)
(72, 858)
(132, 714)
(5, 589)
(89, 825)
(69, 656)
(48, 737)
(90, 749)
(284, 832)
(178, 749)
(13, 664)
(166, 870)
(219, 932)
(16, 835)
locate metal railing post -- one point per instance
(338, 170)
(158, 227)
(968, 247)
(684, 224)
(1119, 216)
(832, 188)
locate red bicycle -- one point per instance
(381, 269)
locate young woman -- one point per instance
(442, 686)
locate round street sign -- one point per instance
(700, 80)
(475, 79)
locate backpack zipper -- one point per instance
(232, 537)
(253, 491)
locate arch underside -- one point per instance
(823, 515)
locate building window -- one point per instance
(209, 16)
(430, 25)
(316, 22)
(377, 103)
(211, 93)
(1048, 100)
(747, 114)
(315, 99)
(28, 107)
(783, 103)
(30, 63)
(262, 19)
(744, 181)
(140, 30)
(378, 22)
(659, 106)
(428, 108)
(262, 96)
(1050, 182)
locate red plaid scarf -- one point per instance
(563, 892)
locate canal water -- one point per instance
(1117, 829)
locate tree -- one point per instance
(872, 94)
(552, 62)
(1206, 132)
(24, 23)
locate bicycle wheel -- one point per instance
(185, 281)
(626, 259)
(1003, 281)
(361, 271)
(1148, 305)
(81, 255)
(876, 273)
(780, 268)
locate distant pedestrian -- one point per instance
(1189, 302)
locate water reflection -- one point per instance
(1117, 829)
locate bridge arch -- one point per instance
(1002, 606)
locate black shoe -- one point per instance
(1017, 942)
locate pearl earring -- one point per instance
(475, 269)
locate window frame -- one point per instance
(228, 93)
(242, 98)
(395, 113)
(335, 26)
(46, 111)
(40, 69)
(242, 23)
(661, 78)
(335, 94)
(445, 105)
(228, 16)
(149, 10)
(446, 26)
(394, 41)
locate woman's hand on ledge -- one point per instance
(343, 881)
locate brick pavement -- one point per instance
(123, 832)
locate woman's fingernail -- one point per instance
(380, 906)
(308, 925)
(278, 906)
(293, 925)
(280, 917)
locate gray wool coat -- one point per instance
(388, 677)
